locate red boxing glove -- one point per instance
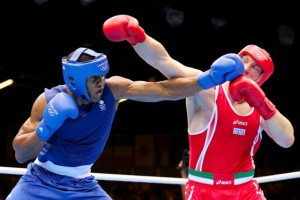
(123, 27)
(245, 89)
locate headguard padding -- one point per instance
(262, 58)
(76, 73)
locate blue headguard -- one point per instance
(76, 73)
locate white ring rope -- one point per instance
(154, 179)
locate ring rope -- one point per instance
(155, 179)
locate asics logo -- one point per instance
(221, 182)
(240, 122)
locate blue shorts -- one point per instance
(41, 184)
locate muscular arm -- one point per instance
(172, 89)
(154, 54)
(126, 28)
(280, 129)
(26, 143)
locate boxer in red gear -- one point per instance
(224, 131)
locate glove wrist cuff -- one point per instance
(267, 109)
(138, 37)
(205, 81)
(43, 131)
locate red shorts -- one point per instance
(246, 191)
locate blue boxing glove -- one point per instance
(61, 107)
(225, 68)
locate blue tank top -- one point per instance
(80, 141)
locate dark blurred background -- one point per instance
(147, 138)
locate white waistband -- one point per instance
(82, 171)
(211, 181)
(220, 179)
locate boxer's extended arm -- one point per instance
(155, 55)
(126, 28)
(168, 90)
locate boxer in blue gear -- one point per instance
(69, 134)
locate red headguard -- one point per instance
(262, 58)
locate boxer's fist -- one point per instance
(225, 68)
(61, 107)
(245, 89)
(123, 27)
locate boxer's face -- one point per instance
(95, 86)
(252, 69)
